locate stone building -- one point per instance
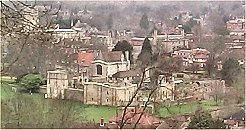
(197, 56)
(170, 42)
(105, 94)
(57, 82)
(236, 24)
(106, 64)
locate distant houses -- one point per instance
(196, 56)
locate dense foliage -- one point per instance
(144, 22)
(230, 69)
(124, 46)
(188, 25)
(110, 21)
(145, 55)
(205, 121)
(31, 82)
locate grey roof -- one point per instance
(240, 115)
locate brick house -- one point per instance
(236, 24)
(194, 56)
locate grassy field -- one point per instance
(90, 112)
(187, 108)
(51, 109)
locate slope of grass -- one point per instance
(84, 112)
(187, 108)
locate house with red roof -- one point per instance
(197, 56)
(132, 116)
(84, 62)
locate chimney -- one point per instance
(127, 55)
(182, 32)
(71, 23)
(124, 32)
(155, 33)
(102, 122)
(110, 34)
(155, 37)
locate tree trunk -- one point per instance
(216, 99)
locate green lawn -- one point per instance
(84, 112)
(97, 112)
(36, 102)
(187, 108)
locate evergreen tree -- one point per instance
(146, 46)
(124, 46)
(230, 69)
(145, 55)
(110, 21)
(144, 22)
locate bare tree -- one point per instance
(21, 25)
(167, 67)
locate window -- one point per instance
(107, 92)
(99, 69)
(107, 99)
(92, 99)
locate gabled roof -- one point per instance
(114, 56)
(85, 59)
(133, 115)
(201, 56)
(240, 115)
(129, 73)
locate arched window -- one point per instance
(99, 69)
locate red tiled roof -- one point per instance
(200, 56)
(133, 116)
(114, 56)
(85, 59)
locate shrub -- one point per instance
(30, 82)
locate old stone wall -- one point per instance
(99, 94)
(74, 94)
(42, 89)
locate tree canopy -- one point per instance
(110, 21)
(188, 25)
(205, 121)
(144, 22)
(31, 82)
(230, 69)
(124, 46)
(145, 55)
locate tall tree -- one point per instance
(230, 69)
(145, 55)
(144, 22)
(110, 21)
(124, 46)
(21, 28)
